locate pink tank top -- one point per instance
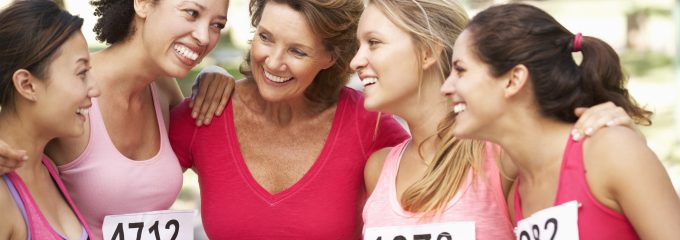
(595, 221)
(37, 225)
(480, 201)
(102, 181)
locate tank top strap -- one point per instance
(159, 113)
(17, 199)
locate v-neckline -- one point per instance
(321, 159)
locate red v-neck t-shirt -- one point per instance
(324, 204)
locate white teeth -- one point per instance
(186, 52)
(83, 111)
(460, 107)
(275, 78)
(369, 81)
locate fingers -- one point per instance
(225, 96)
(10, 159)
(203, 84)
(209, 105)
(597, 117)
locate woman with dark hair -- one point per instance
(515, 83)
(286, 159)
(45, 93)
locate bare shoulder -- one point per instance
(11, 215)
(373, 167)
(619, 148)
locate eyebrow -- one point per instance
(83, 60)
(294, 44)
(202, 8)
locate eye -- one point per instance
(191, 13)
(83, 74)
(263, 37)
(298, 52)
(459, 70)
(373, 42)
(218, 26)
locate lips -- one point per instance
(459, 108)
(276, 79)
(369, 81)
(186, 52)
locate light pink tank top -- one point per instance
(102, 181)
(480, 201)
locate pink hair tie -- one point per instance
(578, 38)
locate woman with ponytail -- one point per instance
(515, 83)
(433, 184)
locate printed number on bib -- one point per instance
(157, 225)
(554, 223)
(435, 231)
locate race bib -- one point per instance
(554, 223)
(434, 231)
(156, 225)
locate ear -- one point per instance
(516, 80)
(143, 7)
(24, 83)
(330, 60)
(430, 56)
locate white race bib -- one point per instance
(554, 223)
(434, 231)
(156, 225)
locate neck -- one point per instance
(19, 132)
(424, 121)
(534, 143)
(279, 112)
(124, 70)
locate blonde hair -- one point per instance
(434, 26)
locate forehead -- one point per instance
(461, 49)
(218, 7)
(373, 19)
(72, 50)
(286, 23)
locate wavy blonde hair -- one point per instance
(434, 26)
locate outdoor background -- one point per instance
(644, 32)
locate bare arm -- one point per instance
(373, 168)
(636, 182)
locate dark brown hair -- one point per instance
(507, 35)
(335, 22)
(31, 32)
(115, 19)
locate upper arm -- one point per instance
(373, 168)
(636, 180)
(181, 134)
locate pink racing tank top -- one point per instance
(479, 199)
(37, 225)
(595, 220)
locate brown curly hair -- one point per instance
(115, 19)
(335, 22)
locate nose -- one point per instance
(92, 89)
(448, 89)
(359, 60)
(202, 34)
(275, 61)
